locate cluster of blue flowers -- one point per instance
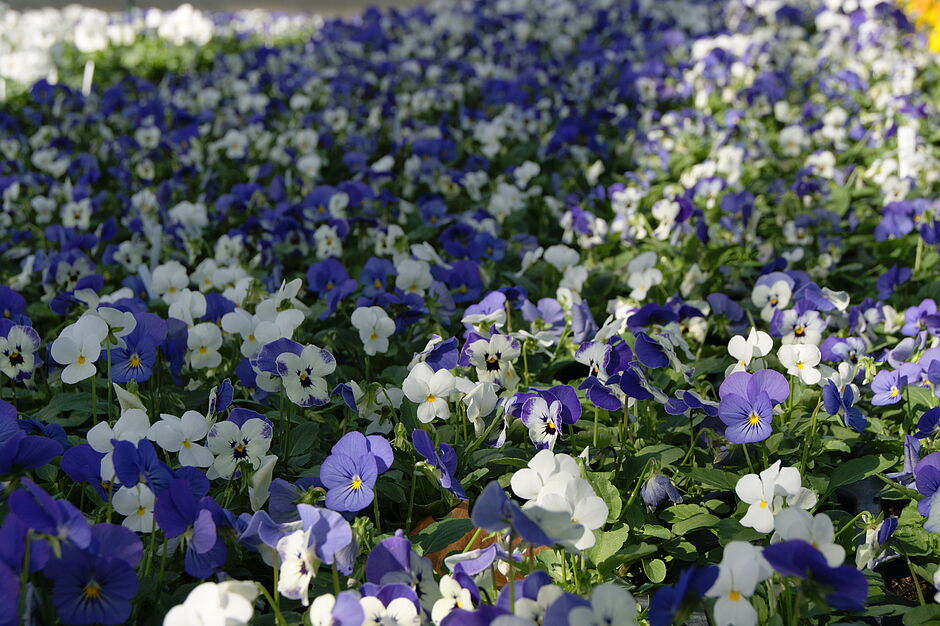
(517, 312)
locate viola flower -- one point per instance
(765, 495)
(342, 610)
(230, 600)
(136, 358)
(643, 275)
(182, 511)
(175, 434)
(927, 482)
(18, 353)
(657, 489)
(887, 386)
(454, 596)
(136, 505)
(741, 569)
(543, 421)
(747, 402)
(132, 426)
(398, 611)
(845, 587)
(915, 317)
(429, 390)
(91, 589)
(77, 348)
(891, 280)
(19, 451)
(204, 341)
(667, 602)
(321, 535)
(772, 293)
(58, 519)
(493, 358)
(801, 361)
(234, 444)
(413, 276)
(349, 481)
(872, 552)
(442, 461)
(799, 328)
(817, 529)
(328, 279)
(495, 512)
(303, 375)
(609, 604)
(757, 345)
(374, 326)
(835, 402)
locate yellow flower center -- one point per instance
(357, 483)
(81, 359)
(377, 284)
(373, 336)
(753, 419)
(763, 504)
(799, 365)
(91, 591)
(430, 398)
(135, 361)
(141, 510)
(203, 349)
(186, 444)
(894, 392)
(734, 596)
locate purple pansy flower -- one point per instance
(747, 403)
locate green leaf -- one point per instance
(655, 570)
(679, 512)
(608, 543)
(716, 478)
(663, 453)
(68, 409)
(922, 615)
(701, 520)
(654, 530)
(302, 438)
(638, 551)
(855, 470)
(441, 534)
(608, 492)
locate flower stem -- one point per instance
(411, 501)
(848, 525)
(335, 575)
(94, 399)
(747, 456)
(915, 581)
(375, 509)
(278, 617)
(812, 436)
(24, 574)
(110, 386)
(596, 417)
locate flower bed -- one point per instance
(629, 304)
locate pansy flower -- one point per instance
(321, 535)
(18, 347)
(233, 444)
(747, 403)
(442, 461)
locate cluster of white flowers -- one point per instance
(31, 40)
(553, 482)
